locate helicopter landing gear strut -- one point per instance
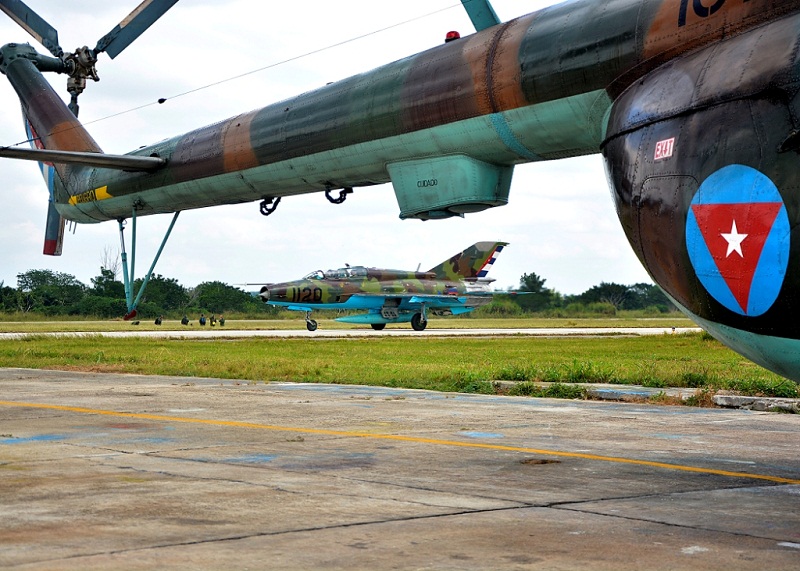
(131, 302)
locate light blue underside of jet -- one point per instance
(408, 306)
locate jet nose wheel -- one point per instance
(418, 323)
(311, 325)
(378, 326)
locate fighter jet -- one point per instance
(456, 286)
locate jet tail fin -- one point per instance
(472, 263)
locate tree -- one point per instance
(636, 296)
(219, 297)
(111, 260)
(52, 292)
(163, 294)
(8, 297)
(99, 306)
(106, 298)
(106, 284)
(537, 297)
(606, 292)
(531, 282)
(644, 296)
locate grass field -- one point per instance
(461, 364)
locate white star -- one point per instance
(734, 240)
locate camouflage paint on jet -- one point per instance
(456, 286)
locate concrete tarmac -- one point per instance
(102, 471)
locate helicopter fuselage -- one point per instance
(695, 108)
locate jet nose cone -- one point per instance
(264, 294)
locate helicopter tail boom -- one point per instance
(50, 126)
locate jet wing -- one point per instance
(436, 300)
(429, 300)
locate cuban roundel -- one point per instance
(737, 235)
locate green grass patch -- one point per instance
(554, 390)
(458, 364)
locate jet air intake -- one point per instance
(442, 187)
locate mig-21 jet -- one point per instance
(457, 285)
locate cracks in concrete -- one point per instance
(574, 506)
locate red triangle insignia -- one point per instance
(735, 236)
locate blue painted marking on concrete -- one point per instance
(663, 436)
(624, 392)
(474, 434)
(37, 438)
(153, 440)
(252, 459)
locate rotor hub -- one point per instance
(80, 66)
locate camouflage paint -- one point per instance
(48, 117)
(672, 92)
(525, 80)
(457, 285)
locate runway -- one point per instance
(195, 333)
(102, 471)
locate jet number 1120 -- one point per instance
(307, 294)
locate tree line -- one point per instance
(52, 293)
(607, 298)
(55, 294)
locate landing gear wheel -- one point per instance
(378, 326)
(311, 325)
(417, 322)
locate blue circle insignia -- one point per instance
(738, 239)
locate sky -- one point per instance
(215, 59)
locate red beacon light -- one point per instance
(451, 36)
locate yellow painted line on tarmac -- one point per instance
(401, 438)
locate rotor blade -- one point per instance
(481, 13)
(44, 33)
(101, 160)
(133, 26)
